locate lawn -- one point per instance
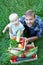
(18, 6)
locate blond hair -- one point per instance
(13, 16)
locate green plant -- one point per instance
(13, 43)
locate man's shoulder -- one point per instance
(37, 16)
(38, 19)
(22, 19)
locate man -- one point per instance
(33, 25)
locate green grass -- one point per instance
(18, 6)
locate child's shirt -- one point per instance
(34, 30)
(15, 28)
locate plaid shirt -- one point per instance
(37, 28)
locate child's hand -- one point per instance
(3, 31)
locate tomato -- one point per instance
(13, 57)
(23, 56)
(13, 60)
(34, 56)
(30, 47)
(22, 39)
(22, 44)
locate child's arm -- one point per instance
(6, 27)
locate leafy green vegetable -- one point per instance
(19, 54)
(32, 51)
(13, 43)
(16, 52)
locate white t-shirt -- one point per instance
(15, 28)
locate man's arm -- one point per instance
(32, 38)
(22, 19)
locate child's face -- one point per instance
(16, 21)
(29, 20)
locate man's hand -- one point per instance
(32, 38)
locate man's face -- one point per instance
(29, 20)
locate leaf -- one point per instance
(13, 43)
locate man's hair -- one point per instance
(13, 16)
(30, 13)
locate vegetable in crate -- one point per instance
(31, 52)
(13, 43)
(18, 36)
(13, 58)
